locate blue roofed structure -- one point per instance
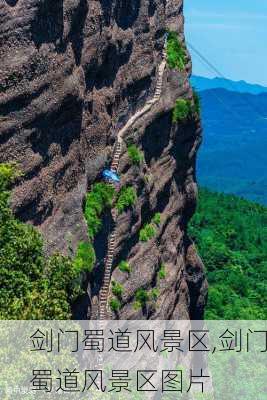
(111, 175)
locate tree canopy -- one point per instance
(33, 286)
(231, 237)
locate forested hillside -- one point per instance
(32, 285)
(231, 237)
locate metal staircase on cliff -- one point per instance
(105, 289)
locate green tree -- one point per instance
(97, 200)
(181, 111)
(33, 286)
(156, 219)
(115, 304)
(230, 234)
(117, 289)
(135, 155)
(162, 272)
(85, 257)
(147, 233)
(176, 55)
(141, 297)
(127, 198)
(124, 266)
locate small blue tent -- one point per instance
(111, 175)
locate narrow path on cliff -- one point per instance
(102, 312)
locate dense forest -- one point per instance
(33, 286)
(231, 236)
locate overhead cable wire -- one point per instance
(220, 74)
(226, 106)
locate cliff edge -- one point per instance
(72, 75)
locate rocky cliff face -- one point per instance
(72, 74)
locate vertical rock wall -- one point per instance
(72, 72)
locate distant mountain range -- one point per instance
(233, 156)
(201, 83)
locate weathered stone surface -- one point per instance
(72, 72)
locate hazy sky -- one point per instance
(232, 35)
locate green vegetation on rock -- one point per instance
(154, 294)
(156, 219)
(135, 155)
(115, 304)
(147, 232)
(127, 198)
(117, 289)
(85, 257)
(124, 266)
(8, 173)
(97, 200)
(176, 55)
(231, 237)
(181, 111)
(162, 272)
(141, 298)
(33, 286)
